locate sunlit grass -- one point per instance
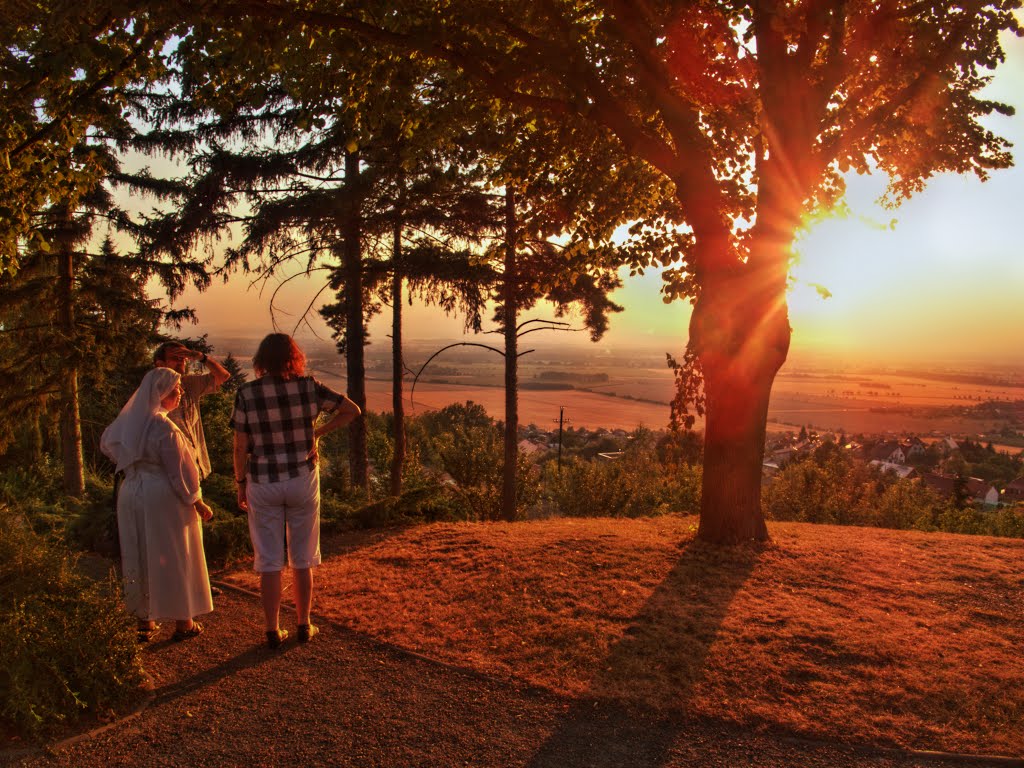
(849, 633)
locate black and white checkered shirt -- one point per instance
(278, 417)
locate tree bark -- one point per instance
(509, 314)
(734, 434)
(397, 365)
(70, 418)
(354, 326)
(740, 331)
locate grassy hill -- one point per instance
(843, 633)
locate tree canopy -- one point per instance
(717, 126)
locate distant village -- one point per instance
(907, 457)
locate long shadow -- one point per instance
(253, 657)
(344, 542)
(333, 544)
(670, 638)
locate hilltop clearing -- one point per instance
(852, 634)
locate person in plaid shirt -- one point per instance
(275, 461)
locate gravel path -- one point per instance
(222, 699)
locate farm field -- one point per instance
(540, 407)
(635, 391)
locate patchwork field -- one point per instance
(639, 394)
(540, 407)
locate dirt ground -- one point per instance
(223, 699)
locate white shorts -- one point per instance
(288, 508)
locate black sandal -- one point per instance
(184, 634)
(145, 634)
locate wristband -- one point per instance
(240, 482)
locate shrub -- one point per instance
(636, 485)
(37, 493)
(834, 488)
(92, 522)
(68, 646)
(226, 538)
(468, 446)
(426, 503)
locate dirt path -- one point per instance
(345, 700)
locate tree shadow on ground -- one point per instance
(250, 658)
(659, 660)
(340, 543)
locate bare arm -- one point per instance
(219, 372)
(343, 415)
(241, 462)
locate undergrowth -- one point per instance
(69, 647)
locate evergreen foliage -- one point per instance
(114, 323)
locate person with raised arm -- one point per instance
(176, 356)
(159, 508)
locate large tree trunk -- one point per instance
(734, 434)
(397, 365)
(509, 314)
(70, 419)
(354, 331)
(740, 331)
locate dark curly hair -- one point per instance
(278, 355)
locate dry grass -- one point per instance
(856, 634)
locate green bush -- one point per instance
(827, 489)
(468, 446)
(69, 647)
(226, 538)
(835, 488)
(37, 493)
(644, 481)
(92, 522)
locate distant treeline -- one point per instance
(553, 385)
(990, 380)
(573, 377)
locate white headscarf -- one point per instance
(125, 439)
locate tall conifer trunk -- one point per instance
(397, 365)
(355, 333)
(70, 418)
(509, 313)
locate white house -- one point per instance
(900, 470)
(888, 451)
(982, 492)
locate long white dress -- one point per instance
(162, 558)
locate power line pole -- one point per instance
(562, 421)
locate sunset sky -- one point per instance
(945, 283)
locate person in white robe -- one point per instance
(159, 507)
